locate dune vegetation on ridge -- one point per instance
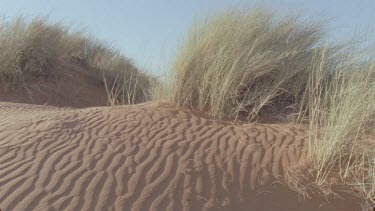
(237, 66)
(34, 49)
(249, 65)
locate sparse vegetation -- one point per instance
(238, 65)
(33, 48)
(243, 65)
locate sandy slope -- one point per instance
(68, 84)
(145, 157)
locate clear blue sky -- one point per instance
(149, 31)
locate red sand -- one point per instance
(146, 157)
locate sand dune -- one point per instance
(70, 85)
(146, 157)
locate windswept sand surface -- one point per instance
(145, 157)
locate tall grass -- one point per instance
(124, 82)
(247, 64)
(28, 48)
(33, 48)
(341, 111)
(128, 88)
(240, 65)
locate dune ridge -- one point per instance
(145, 157)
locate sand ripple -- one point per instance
(142, 157)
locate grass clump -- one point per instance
(240, 64)
(34, 48)
(28, 48)
(248, 64)
(341, 113)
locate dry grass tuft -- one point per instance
(341, 112)
(32, 49)
(244, 65)
(239, 65)
(28, 48)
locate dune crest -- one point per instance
(145, 157)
